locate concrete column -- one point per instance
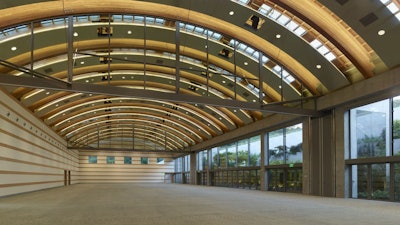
(193, 169)
(264, 157)
(306, 155)
(341, 135)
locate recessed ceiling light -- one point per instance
(278, 36)
(87, 81)
(82, 62)
(47, 93)
(206, 46)
(76, 34)
(254, 100)
(13, 48)
(123, 78)
(246, 63)
(280, 87)
(381, 32)
(318, 66)
(129, 32)
(231, 13)
(223, 82)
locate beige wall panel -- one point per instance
(6, 179)
(123, 173)
(22, 167)
(32, 156)
(21, 189)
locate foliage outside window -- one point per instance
(369, 130)
(127, 160)
(285, 145)
(144, 160)
(396, 126)
(255, 151)
(276, 148)
(92, 159)
(375, 133)
(222, 156)
(243, 153)
(215, 158)
(110, 159)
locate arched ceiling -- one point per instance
(167, 75)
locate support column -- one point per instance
(341, 137)
(319, 156)
(193, 169)
(264, 157)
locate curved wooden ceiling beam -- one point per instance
(219, 125)
(134, 107)
(28, 13)
(123, 126)
(48, 52)
(123, 114)
(333, 30)
(177, 132)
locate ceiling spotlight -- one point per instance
(246, 63)
(13, 48)
(82, 62)
(129, 32)
(278, 36)
(381, 32)
(231, 13)
(76, 34)
(318, 66)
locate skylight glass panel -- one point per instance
(264, 59)
(232, 42)
(285, 73)
(264, 9)
(139, 19)
(274, 14)
(46, 23)
(292, 25)
(393, 8)
(217, 36)
(243, 2)
(60, 21)
(82, 19)
(117, 18)
(256, 55)
(199, 30)
(242, 46)
(289, 78)
(315, 43)
(150, 19)
(385, 1)
(128, 18)
(323, 50)
(189, 27)
(299, 31)
(283, 19)
(22, 28)
(160, 21)
(398, 16)
(330, 56)
(250, 51)
(277, 69)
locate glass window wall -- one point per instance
(374, 145)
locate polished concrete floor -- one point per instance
(164, 204)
